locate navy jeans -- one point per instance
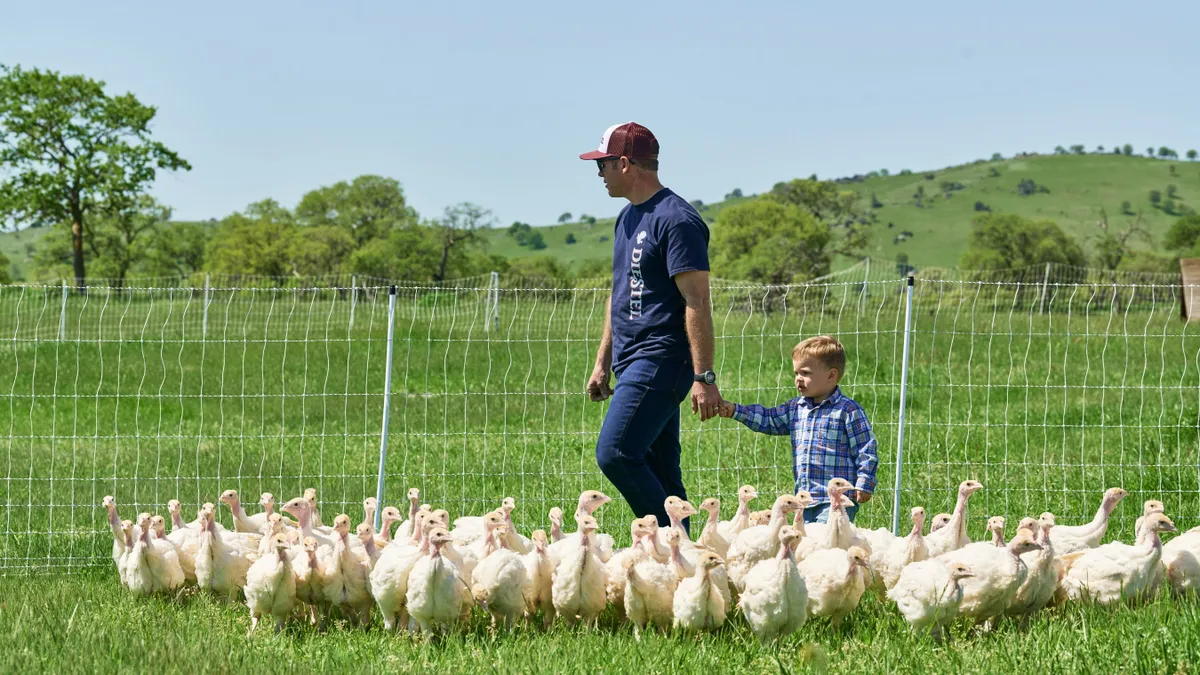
(638, 449)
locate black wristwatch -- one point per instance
(707, 377)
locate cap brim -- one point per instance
(596, 154)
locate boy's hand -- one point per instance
(862, 497)
(726, 409)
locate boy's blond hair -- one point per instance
(825, 349)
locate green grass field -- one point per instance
(1045, 409)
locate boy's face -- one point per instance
(814, 379)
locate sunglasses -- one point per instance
(600, 162)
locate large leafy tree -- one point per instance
(69, 149)
(366, 208)
(832, 206)
(257, 241)
(770, 242)
(1006, 243)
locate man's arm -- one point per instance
(598, 385)
(693, 285)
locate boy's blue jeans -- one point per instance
(638, 448)
(819, 513)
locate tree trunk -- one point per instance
(441, 275)
(77, 250)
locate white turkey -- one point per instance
(939, 521)
(837, 531)
(405, 530)
(390, 516)
(468, 530)
(995, 527)
(539, 575)
(700, 602)
(1069, 539)
(347, 576)
(642, 537)
(302, 509)
(1116, 571)
(902, 553)
(578, 588)
(929, 594)
(241, 521)
(366, 536)
(710, 536)
(677, 509)
(556, 524)
(649, 593)
(310, 581)
(1148, 507)
(498, 581)
(954, 534)
(835, 580)
(114, 523)
(271, 585)
(152, 566)
(589, 501)
(760, 542)
(774, 599)
(220, 567)
(997, 574)
(1181, 562)
(1037, 590)
(513, 539)
(389, 578)
(186, 555)
(729, 529)
(436, 592)
(310, 495)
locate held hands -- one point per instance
(706, 400)
(862, 497)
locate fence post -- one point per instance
(353, 296)
(62, 318)
(387, 399)
(204, 328)
(867, 277)
(494, 301)
(903, 400)
(1045, 288)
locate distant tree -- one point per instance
(365, 208)
(459, 227)
(1164, 152)
(875, 203)
(1183, 237)
(1027, 187)
(1112, 247)
(570, 238)
(546, 266)
(256, 241)
(994, 172)
(1099, 149)
(905, 172)
(520, 231)
(1126, 208)
(6, 276)
(1078, 149)
(536, 241)
(565, 217)
(996, 157)
(697, 204)
(586, 219)
(919, 196)
(883, 172)
(1155, 197)
(69, 151)
(1127, 149)
(1060, 150)
(980, 206)
(1006, 242)
(1150, 152)
(736, 193)
(930, 176)
(1192, 155)
(177, 250)
(770, 241)
(1168, 207)
(1172, 191)
(1171, 169)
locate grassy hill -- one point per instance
(1078, 187)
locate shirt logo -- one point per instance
(641, 237)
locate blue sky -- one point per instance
(492, 102)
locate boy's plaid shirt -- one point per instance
(830, 440)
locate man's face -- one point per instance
(615, 178)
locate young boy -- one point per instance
(831, 437)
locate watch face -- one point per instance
(710, 377)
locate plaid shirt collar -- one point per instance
(835, 398)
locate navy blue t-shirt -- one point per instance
(652, 242)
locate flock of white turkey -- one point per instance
(427, 577)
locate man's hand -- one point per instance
(862, 497)
(598, 387)
(706, 400)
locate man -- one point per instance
(658, 331)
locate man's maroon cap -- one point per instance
(630, 140)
